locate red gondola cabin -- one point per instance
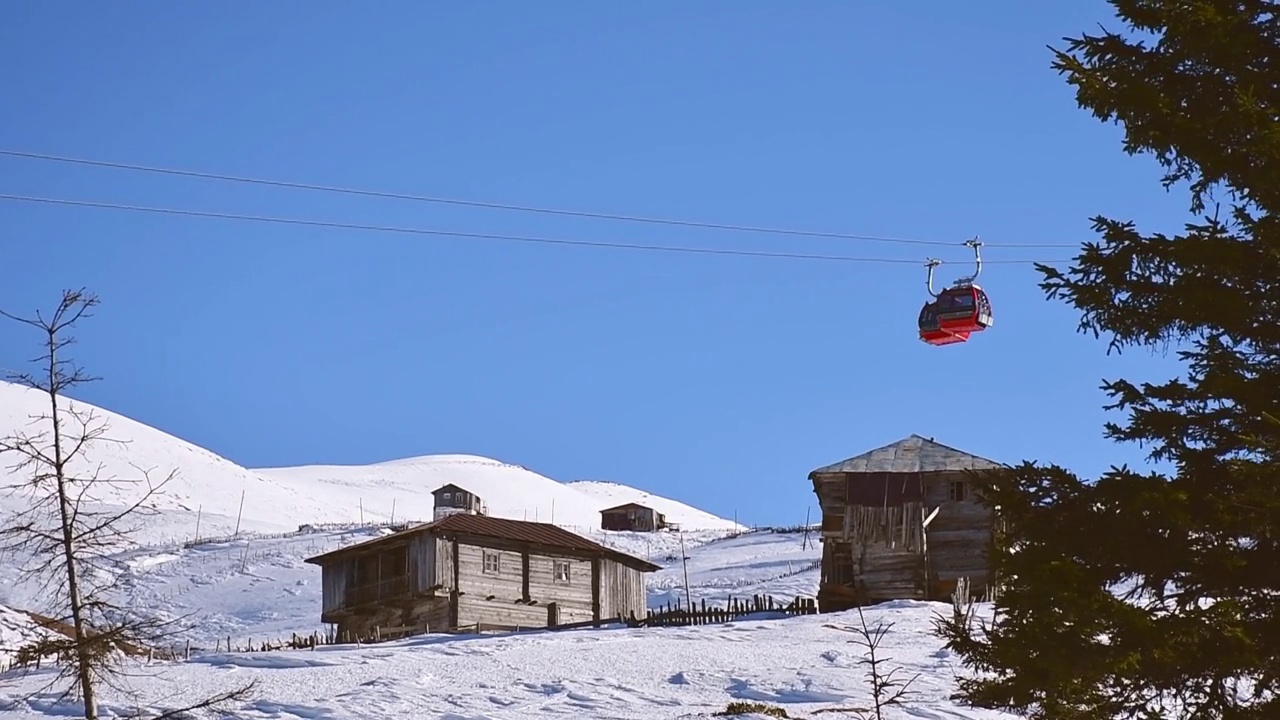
(932, 332)
(964, 309)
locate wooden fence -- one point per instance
(669, 616)
(676, 616)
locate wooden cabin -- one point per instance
(464, 570)
(901, 522)
(632, 516)
(451, 499)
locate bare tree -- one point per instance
(75, 517)
(887, 690)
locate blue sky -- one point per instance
(718, 380)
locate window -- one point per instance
(492, 564)
(956, 491)
(561, 571)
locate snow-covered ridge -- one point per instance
(208, 489)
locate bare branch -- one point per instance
(68, 532)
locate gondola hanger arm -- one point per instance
(928, 280)
(976, 244)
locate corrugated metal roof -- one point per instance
(535, 533)
(911, 454)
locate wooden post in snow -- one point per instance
(239, 514)
(684, 559)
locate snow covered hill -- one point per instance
(508, 490)
(282, 499)
(207, 483)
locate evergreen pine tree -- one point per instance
(1141, 595)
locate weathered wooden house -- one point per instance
(632, 516)
(466, 570)
(451, 500)
(901, 522)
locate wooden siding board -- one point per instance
(425, 614)
(495, 599)
(472, 579)
(543, 587)
(474, 609)
(333, 582)
(422, 563)
(444, 564)
(622, 591)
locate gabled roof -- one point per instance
(910, 455)
(451, 488)
(626, 506)
(483, 526)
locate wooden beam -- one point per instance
(524, 580)
(595, 588)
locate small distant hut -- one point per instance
(632, 516)
(901, 522)
(451, 500)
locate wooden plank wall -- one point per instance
(333, 584)
(887, 552)
(444, 566)
(422, 563)
(622, 591)
(429, 614)
(959, 537)
(499, 599)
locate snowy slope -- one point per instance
(18, 629)
(610, 494)
(255, 590)
(760, 563)
(508, 490)
(281, 499)
(205, 480)
(800, 664)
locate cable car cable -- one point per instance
(497, 206)
(475, 235)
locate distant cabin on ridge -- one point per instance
(901, 522)
(634, 517)
(470, 571)
(451, 500)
